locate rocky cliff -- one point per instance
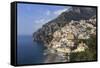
(45, 34)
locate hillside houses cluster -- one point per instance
(65, 39)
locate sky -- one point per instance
(31, 17)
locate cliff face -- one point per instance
(45, 34)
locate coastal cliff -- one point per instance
(68, 34)
(45, 34)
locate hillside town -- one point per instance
(65, 40)
(70, 37)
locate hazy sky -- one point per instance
(31, 17)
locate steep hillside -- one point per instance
(45, 34)
(70, 37)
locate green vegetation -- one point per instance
(89, 54)
(88, 28)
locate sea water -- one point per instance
(29, 51)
